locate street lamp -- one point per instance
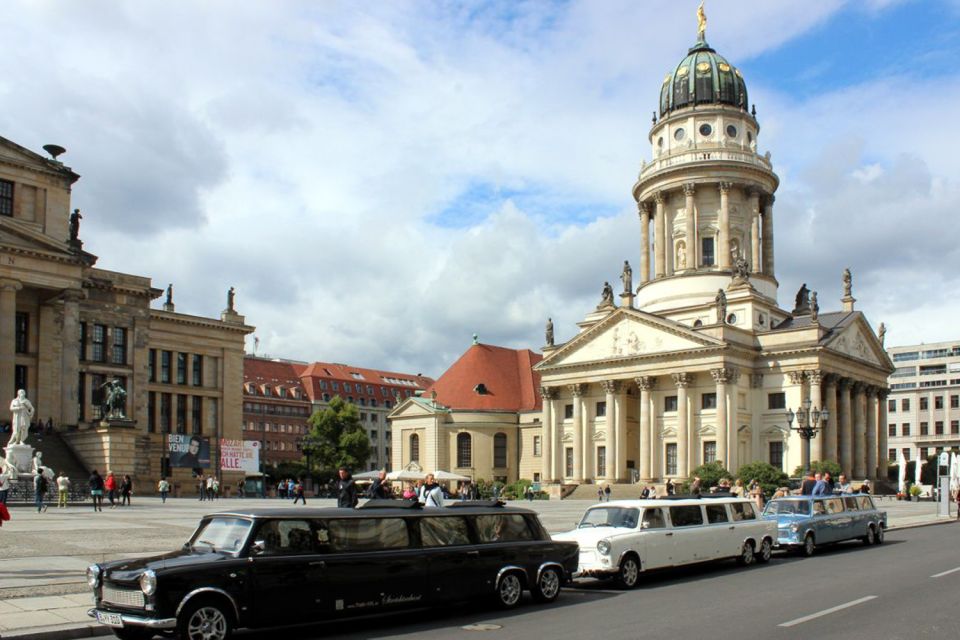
(808, 423)
(308, 445)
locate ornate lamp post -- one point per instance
(308, 445)
(808, 423)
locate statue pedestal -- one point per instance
(20, 456)
(125, 423)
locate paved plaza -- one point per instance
(43, 557)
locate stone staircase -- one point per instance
(617, 491)
(58, 455)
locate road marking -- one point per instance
(825, 612)
(944, 573)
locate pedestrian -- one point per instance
(652, 495)
(241, 488)
(298, 493)
(211, 494)
(843, 485)
(809, 482)
(606, 492)
(126, 488)
(670, 487)
(695, 488)
(4, 485)
(827, 478)
(164, 488)
(379, 489)
(216, 488)
(756, 492)
(409, 493)
(4, 513)
(600, 494)
(958, 505)
(40, 486)
(96, 485)
(644, 493)
(865, 487)
(432, 493)
(110, 486)
(346, 489)
(63, 490)
(282, 489)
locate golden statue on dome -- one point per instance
(701, 22)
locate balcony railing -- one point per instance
(709, 154)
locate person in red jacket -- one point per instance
(110, 484)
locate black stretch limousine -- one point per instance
(274, 567)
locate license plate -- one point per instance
(109, 619)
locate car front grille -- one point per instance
(123, 597)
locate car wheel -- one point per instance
(204, 620)
(766, 550)
(133, 633)
(629, 574)
(878, 539)
(746, 556)
(809, 546)
(548, 586)
(509, 590)
(871, 538)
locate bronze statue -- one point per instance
(606, 297)
(802, 302)
(170, 293)
(230, 296)
(627, 277)
(114, 399)
(75, 219)
(882, 332)
(549, 332)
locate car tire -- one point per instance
(509, 590)
(871, 538)
(809, 546)
(629, 575)
(766, 551)
(134, 633)
(205, 620)
(879, 537)
(747, 555)
(548, 585)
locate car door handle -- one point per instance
(473, 553)
(318, 563)
(731, 528)
(668, 534)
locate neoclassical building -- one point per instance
(699, 362)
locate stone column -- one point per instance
(755, 265)
(882, 434)
(70, 359)
(721, 377)
(576, 390)
(659, 232)
(768, 236)
(758, 406)
(682, 380)
(8, 339)
(814, 379)
(646, 384)
(689, 189)
(723, 235)
(620, 470)
(859, 431)
(795, 395)
(549, 434)
(830, 426)
(871, 433)
(845, 426)
(611, 388)
(644, 241)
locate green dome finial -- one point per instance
(701, 24)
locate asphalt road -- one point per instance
(906, 588)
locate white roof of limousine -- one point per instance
(669, 502)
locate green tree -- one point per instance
(820, 466)
(711, 474)
(769, 477)
(338, 438)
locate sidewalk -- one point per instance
(43, 557)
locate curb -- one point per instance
(60, 632)
(915, 525)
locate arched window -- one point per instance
(464, 450)
(500, 451)
(414, 448)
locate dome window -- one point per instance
(678, 134)
(660, 142)
(731, 131)
(705, 129)
(749, 137)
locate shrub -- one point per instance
(820, 466)
(769, 477)
(710, 475)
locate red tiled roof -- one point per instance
(311, 375)
(276, 373)
(507, 374)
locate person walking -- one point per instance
(670, 487)
(211, 494)
(432, 493)
(201, 487)
(164, 488)
(63, 490)
(40, 486)
(379, 490)
(126, 488)
(241, 488)
(96, 485)
(110, 486)
(606, 492)
(695, 488)
(298, 493)
(346, 489)
(4, 485)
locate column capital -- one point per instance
(577, 389)
(756, 380)
(646, 383)
(643, 208)
(610, 386)
(871, 391)
(771, 199)
(882, 393)
(753, 193)
(659, 197)
(682, 380)
(815, 376)
(859, 387)
(796, 377)
(548, 393)
(689, 188)
(73, 295)
(844, 383)
(830, 379)
(8, 284)
(725, 187)
(723, 375)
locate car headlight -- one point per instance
(795, 527)
(93, 575)
(148, 583)
(604, 547)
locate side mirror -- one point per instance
(258, 548)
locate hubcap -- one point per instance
(549, 583)
(630, 572)
(207, 623)
(510, 589)
(808, 544)
(747, 554)
(766, 549)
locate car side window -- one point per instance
(446, 531)
(818, 508)
(834, 505)
(286, 537)
(742, 511)
(686, 515)
(367, 534)
(653, 519)
(866, 504)
(506, 527)
(850, 504)
(716, 513)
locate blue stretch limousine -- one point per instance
(806, 522)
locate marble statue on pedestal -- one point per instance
(21, 412)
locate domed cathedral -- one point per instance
(698, 363)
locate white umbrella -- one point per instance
(902, 475)
(405, 474)
(367, 475)
(446, 475)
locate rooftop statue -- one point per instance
(75, 219)
(549, 332)
(802, 303)
(627, 277)
(230, 296)
(721, 301)
(701, 22)
(606, 299)
(847, 283)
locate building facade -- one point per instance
(923, 410)
(699, 363)
(375, 393)
(276, 409)
(67, 327)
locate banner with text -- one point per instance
(240, 455)
(190, 452)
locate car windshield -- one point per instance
(788, 507)
(610, 517)
(221, 534)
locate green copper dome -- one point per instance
(703, 77)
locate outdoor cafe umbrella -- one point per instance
(902, 473)
(406, 474)
(446, 475)
(367, 475)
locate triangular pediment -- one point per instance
(19, 235)
(415, 408)
(628, 334)
(857, 340)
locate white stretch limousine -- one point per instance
(620, 539)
